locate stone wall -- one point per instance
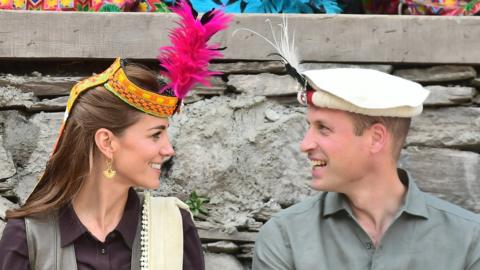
(238, 143)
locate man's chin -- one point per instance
(324, 184)
(318, 184)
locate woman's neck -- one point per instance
(100, 204)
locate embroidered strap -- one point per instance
(162, 233)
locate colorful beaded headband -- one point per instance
(116, 81)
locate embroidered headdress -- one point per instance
(184, 64)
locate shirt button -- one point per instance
(369, 245)
(103, 251)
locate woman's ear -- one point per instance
(104, 140)
(379, 137)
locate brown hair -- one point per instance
(397, 126)
(71, 163)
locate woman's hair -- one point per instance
(71, 163)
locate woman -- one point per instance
(84, 213)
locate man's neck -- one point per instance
(377, 203)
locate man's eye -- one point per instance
(322, 127)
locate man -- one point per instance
(370, 215)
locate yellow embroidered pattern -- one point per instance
(116, 81)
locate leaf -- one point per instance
(161, 7)
(195, 203)
(110, 8)
(470, 5)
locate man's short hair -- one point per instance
(397, 126)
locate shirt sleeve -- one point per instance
(272, 249)
(473, 258)
(13, 246)
(192, 247)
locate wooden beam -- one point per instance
(323, 38)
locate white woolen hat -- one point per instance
(364, 91)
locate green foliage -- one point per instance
(161, 7)
(110, 8)
(195, 203)
(82, 8)
(470, 5)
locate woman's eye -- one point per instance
(157, 135)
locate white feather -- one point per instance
(284, 46)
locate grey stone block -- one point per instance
(476, 99)
(11, 98)
(476, 82)
(2, 227)
(447, 73)
(222, 247)
(247, 251)
(382, 68)
(215, 261)
(264, 84)
(449, 174)
(451, 127)
(223, 234)
(442, 95)
(253, 67)
(267, 211)
(5, 187)
(31, 142)
(4, 206)
(7, 168)
(40, 86)
(49, 105)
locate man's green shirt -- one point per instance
(321, 233)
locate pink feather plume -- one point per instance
(185, 62)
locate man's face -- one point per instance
(339, 157)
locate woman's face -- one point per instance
(140, 151)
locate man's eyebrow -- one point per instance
(322, 123)
(318, 122)
(161, 127)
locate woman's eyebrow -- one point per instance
(161, 127)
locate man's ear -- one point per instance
(378, 137)
(104, 140)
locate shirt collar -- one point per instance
(131, 215)
(415, 203)
(71, 228)
(414, 199)
(334, 202)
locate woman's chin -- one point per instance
(153, 185)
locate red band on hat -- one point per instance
(309, 97)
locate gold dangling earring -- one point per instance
(109, 172)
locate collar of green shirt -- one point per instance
(414, 205)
